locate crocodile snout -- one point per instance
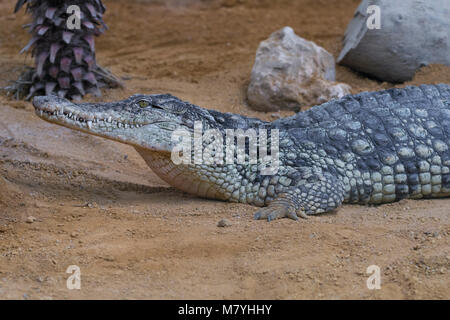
(49, 103)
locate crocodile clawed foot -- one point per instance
(273, 212)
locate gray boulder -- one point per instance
(412, 34)
(291, 72)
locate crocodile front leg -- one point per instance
(324, 194)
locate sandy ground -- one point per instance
(97, 205)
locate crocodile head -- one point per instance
(144, 121)
(148, 123)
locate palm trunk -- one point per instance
(65, 62)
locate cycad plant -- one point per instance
(63, 46)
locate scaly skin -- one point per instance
(373, 147)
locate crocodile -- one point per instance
(368, 148)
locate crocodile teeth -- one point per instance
(94, 122)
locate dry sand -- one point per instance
(96, 204)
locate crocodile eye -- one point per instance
(143, 103)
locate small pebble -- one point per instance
(31, 219)
(224, 223)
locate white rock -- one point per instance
(412, 34)
(291, 72)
